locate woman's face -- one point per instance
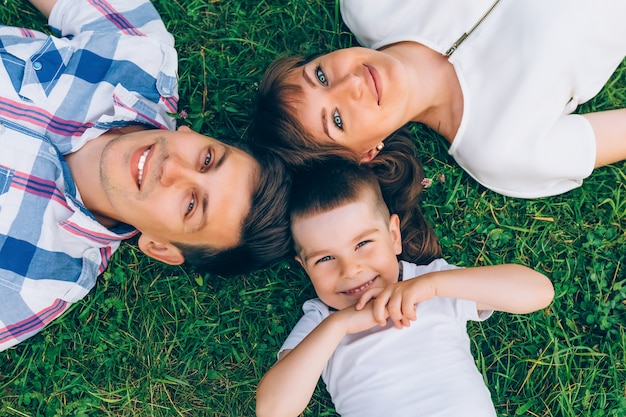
(354, 97)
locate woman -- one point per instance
(497, 80)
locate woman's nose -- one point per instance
(350, 86)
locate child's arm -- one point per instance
(287, 387)
(44, 6)
(510, 288)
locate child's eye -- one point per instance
(323, 259)
(337, 120)
(360, 244)
(321, 77)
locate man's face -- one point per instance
(179, 186)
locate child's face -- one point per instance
(348, 250)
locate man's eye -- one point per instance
(337, 120)
(321, 77)
(207, 160)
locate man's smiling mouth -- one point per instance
(140, 165)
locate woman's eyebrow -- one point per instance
(325, 125)
(307, 78)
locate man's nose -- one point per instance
(173, 169)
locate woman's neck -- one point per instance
(438, 99)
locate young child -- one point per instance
(388, 338)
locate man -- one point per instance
(88, 158)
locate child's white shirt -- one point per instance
(426, 369)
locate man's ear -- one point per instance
(371, 154)
(394, 232)
(164, 252)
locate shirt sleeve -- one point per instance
(27, 316)
(315, 311)
(126, 17)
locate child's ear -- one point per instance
(299, 259)
(394, 232)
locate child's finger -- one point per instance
(380, 310)
(367, 296)
(394, 307)
(408, 309)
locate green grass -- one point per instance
(151, 340)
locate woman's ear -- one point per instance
(371, 154)
(394, 232)
(164, 252)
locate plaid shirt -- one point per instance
(113, 65)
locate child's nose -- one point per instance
(351, 268)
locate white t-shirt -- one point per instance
(426, 369)
(522, 72)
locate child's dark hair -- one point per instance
(335, 181)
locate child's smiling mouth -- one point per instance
(361, 288)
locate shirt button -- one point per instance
(166, 90)
(37, 66)
(92, 256)
(52, 150)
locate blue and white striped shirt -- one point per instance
(113, 65)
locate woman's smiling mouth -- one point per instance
(374, 82)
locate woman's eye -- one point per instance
(207, 160)
(191, 205)
(321, 77)
(337, 120)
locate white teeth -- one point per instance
(361, 288)
(140, 164)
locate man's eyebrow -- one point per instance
(205, 198)
(205, 215)
(223, 158)
(307, 78)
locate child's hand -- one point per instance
(359, 320)
(398, 300)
